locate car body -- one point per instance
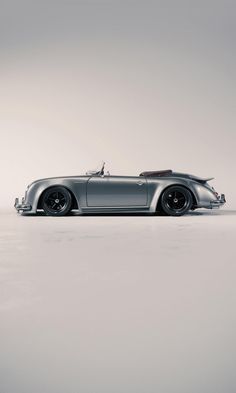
(100, 192)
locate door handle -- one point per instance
(139, 183)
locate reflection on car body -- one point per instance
(171, 192)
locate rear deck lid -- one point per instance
(198, 179)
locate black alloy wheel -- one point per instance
(57, 201)
(176, 201)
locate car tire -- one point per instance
(176, 201)
(57, 201)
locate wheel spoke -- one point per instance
(56, 201)
(176, 200)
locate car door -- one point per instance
(116, 191)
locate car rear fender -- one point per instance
(157, 190)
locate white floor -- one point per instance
(118, 304)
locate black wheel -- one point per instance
(57, 201)
(176, 201)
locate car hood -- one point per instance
(82, 177)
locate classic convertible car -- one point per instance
(170, 192)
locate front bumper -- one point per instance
(23, 206)
(219, 202)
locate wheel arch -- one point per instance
(158, 205)
(74, 205)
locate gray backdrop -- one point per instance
(141, 85)
(108, 304)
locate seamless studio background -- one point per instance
(141, 85)
(114, 304)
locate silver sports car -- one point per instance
(169, 192)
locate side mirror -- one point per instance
(108, 173)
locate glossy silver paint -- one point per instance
(107, 193)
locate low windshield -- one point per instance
(98, 170)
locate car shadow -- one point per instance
(157, 214)
(212, 213)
